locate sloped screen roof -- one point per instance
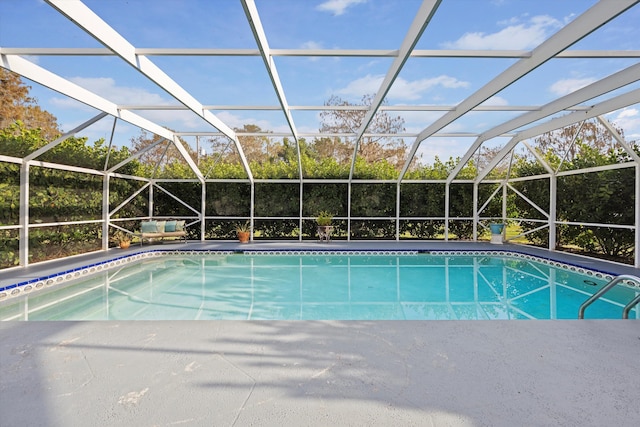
(459, 74)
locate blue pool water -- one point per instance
(319, 286)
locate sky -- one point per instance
(319, 24)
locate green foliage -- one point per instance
(228, 199)
(608, 199)
(277, 199)
(420, 200)
(9, 194)
(120, 190)
(324, 218)
(370, 200)
(9, 247)
(331, 197)
(243, 227)
(18, 141)
(59, 196)
(461, 205)
(63, 240)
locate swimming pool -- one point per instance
(321, 285)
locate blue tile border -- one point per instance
(17, 289)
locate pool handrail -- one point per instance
(605, 289)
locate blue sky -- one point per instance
(324, 24)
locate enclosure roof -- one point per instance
(461, 75)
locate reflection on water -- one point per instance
(324, 287)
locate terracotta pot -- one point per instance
(124, 245)
(243, 236)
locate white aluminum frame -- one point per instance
(556, 46)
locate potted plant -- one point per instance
(323, 219)
(496, 232)
(243, 231)
(123, 239)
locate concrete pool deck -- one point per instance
(320, 373)
(281, 373)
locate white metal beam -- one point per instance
(539, 158)
(136, 155)
(93, 25)
(423, 17)
(62, 138)
(396, 107)
(263, 45)
(619, 139)
(48, 79)
(614, 81)
(598, 15)
(604, 107)
(369, 53)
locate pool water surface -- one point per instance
(325, 286)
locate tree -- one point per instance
(371, 148)
(17, 106)
(609, 201)
(165, 154)
(256, 148)
(566, 144)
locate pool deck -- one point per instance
(317, 373)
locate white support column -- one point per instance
(504, 210)
(152, 183)
(553, 190)
(24, 215)
(300, 207)
(106, 218)
(637, 223)
(252, 209)
(398, 211)
(203, 210)
(349, 210)
(476, 214)
(447, 189)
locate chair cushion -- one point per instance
(160, 225)
(148, 227)
(170, 226)
(180, 225)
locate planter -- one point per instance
(125, 245)
(496, 233)
(324, 232)
(243, 236)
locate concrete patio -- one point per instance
(440, 373)
(224, 373)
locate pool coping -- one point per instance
(53, 277)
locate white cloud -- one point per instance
(443, 148)
(69, 104)
(362, 86)
(417, 121)
(338, 7)
(236, 121)
(628, 120)
(517, 35)
(495, 101)
(311, 45)
(628, 112)
(402, 89)
(107, 88)
(566, 86)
